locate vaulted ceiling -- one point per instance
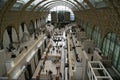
(46, 5)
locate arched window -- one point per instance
(19, 4)
(88, 30)
(108, 44)
(111, 48)
(96, 36)
(31, 28)
(22, 30)
(9, 38)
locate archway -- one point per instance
(108, 43)
(96, 36)
(111, 48)
(37, 26)
(31, 28)
(23, 32)
(88, 30)
(10, 38)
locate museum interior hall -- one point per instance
(59, 39)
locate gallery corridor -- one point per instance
(59, 39)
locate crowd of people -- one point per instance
(54, 48)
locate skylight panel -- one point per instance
(30, 7)
(19, 4)
(80, 1)
(98, 3)
(85, 5)
(40, 5)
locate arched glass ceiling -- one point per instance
(85, 5)
(42, 3)
(45, 2)
(19, 4)
(76, 3)
(36, 4)
(98, 3)
(30, 7)
(80, 1)
(57, 2)
(53, 4)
